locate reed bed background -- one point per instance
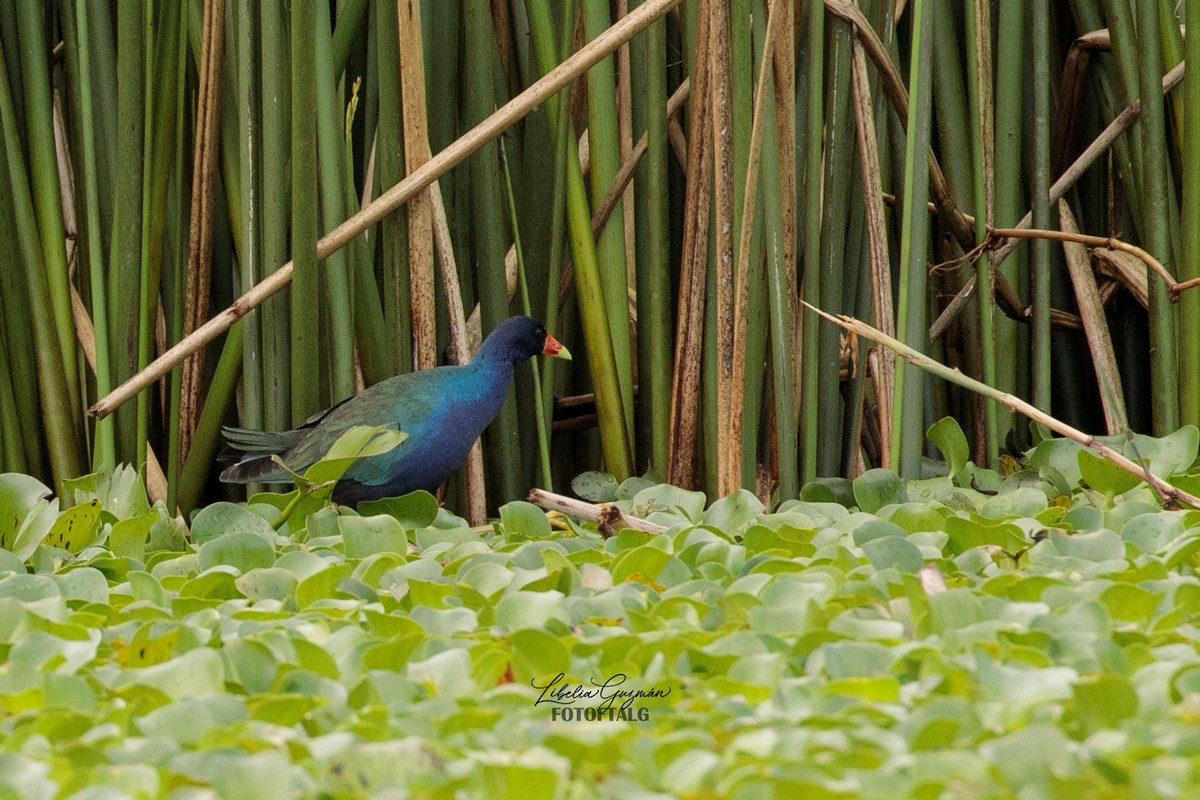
(664, 213)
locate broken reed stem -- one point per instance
(918, 359)
(601, 513)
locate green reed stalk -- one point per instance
(1189, 267)
(275, 104)
(43, 168)
(909, 434)
(330, 150)
(1164, 368)
(306, 281)
(615, 435)
(810, 415)
(91, 244)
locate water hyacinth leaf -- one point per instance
(367, 536)
(9, 562)
(1105, 476)
(876, 529)
(321, 585)
(877, 488)
(630, 487)
(829, 490)
(19, 495)
(950, 439)
(75, 528)
(968, 533)
(240, 549)
(1061, 454)
(414, 511)
(519, 518)
(646, 561)
(220, 519)
(734, 512)
(197, 673)
(148, 651)
(1104, 701)
(670, 499)
(128, 537)
(83, 583)
(361, 441)
(893, 551)
(34, 527)
(1098, 545)
(266, 583)
(1152, 532)
(1169, 455)
(1021, 502)
(528, 609)
(121, 492)
(265, 774)
(595, 487)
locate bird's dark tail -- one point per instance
(257, 447)
(255, 469)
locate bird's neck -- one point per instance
(496, 374)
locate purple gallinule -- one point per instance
(443, 411)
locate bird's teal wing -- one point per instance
(404, 402)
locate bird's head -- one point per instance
(519, 339)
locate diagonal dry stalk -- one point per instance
(1165, 490)
(454, 154)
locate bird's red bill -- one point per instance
(554, 347)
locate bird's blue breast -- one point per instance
(438, 441)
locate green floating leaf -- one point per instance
(968, 533)
(32, 528)
(1104, 701)
(524, 519)
(241, 549)
(414, 511)
(366, 536)
(1169, 455)
(19, 494)
(1105, 476)
(220, 519)
(733, 513)
(1061, 454)
(128, 537)
(877, 488)
(829, 490)
(893, 551)
(321, 585)
(197, 673)
(269, 583)
(361, 441)
(75, 528)
(83, 583)
(670, 499)
(1102, 545)
(950, 439)
(595, 487)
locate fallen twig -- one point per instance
(602, 514)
